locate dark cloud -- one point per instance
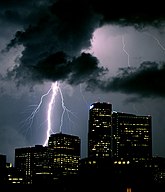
(85, 68)
(134, 99)
(59, 67)
(146, 81)
(66, 27)
(126, 13)
(21, 12)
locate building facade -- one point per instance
(132, 137)
(120, 136)
(64, 154)
(47, 164)
(3, 175)
(100, 128)
(33, 163)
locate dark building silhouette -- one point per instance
(158, 166)
(100, 128)
(119, 157)
(14, 176)
(64, 154)
(3, 175)
(49, 163)
(132, 138)
(33, 163)
(2, 161)
(41, 168)
(119, 146)
(121, 136)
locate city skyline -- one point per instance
(101, 115)
(93, 53)
(119, 145)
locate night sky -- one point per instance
(96, 51)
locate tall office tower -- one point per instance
(41, 165)
(3, 175)
(33, 163)
(132, 137)
(23, 163)
(99, 133)
(65, 154)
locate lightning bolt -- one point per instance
(158, 42)
(30, 119)
(81, 92)
(54, 88)
(65, 109)
(123, 42)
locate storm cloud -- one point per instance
(145, 81)
(55, 33)
(58, 67)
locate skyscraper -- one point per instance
(46, 164)
(132, 137)
(125, 137)
(65, 154)
(33, 163)
(2, 168)
(99, 133)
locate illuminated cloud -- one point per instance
(55, 33)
